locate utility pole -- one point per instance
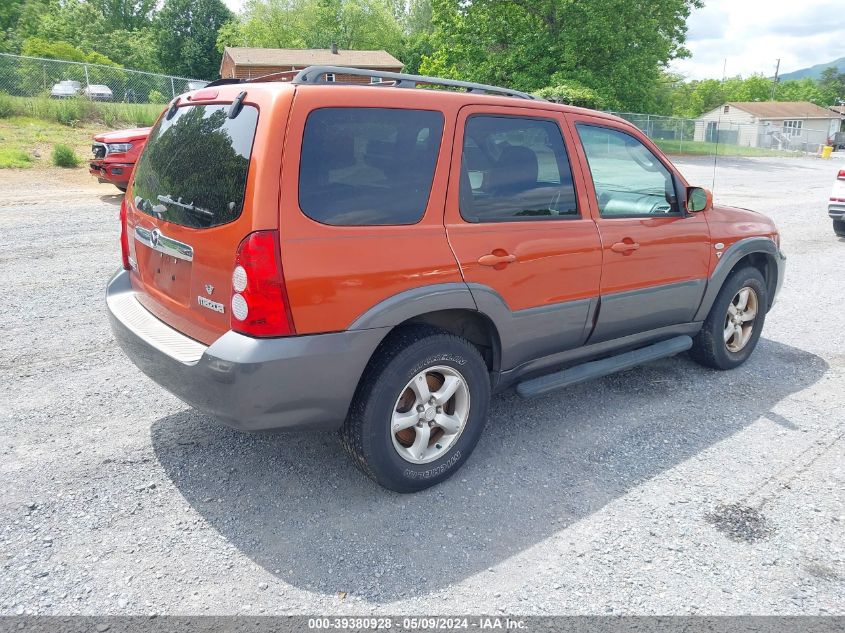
(775, 83)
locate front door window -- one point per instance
(629, 180)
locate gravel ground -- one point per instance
(667, 489)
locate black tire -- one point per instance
(839, 227)
(709, 346)
(366, 434)
(123, 189)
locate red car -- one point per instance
(115, 154)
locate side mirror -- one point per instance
(699, 199)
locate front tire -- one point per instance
(733, 326)
(419, 410)
(839, 228)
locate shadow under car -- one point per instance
(297, 506)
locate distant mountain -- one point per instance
(814, 72)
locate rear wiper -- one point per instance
(202, 211)
(167, 199)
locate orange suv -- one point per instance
(379, 258)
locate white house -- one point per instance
(776, 124)
(840, 110)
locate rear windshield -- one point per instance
(193, 169)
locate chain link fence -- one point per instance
(22, 76)
(725, 138)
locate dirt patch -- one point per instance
(740, 522)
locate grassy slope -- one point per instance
(75, 111)
(31, 127)
(27, 142)
(701, 148)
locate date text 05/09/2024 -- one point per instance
(481, 623)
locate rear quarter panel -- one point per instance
(336, 273)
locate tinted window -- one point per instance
(364, 166)
(515, 169)
(193, 169)
(628, 178)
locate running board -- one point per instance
(597, 368)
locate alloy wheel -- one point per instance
(740, 318)
(430, 414)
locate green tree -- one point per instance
(126, 15)
(572, 93)
(522, 43)
(19, 20)
(356, 24)
(351, 24)
(416, 23)
(186, 36)
(83, 26)
(754, 88)
(805, 89)
(270, 24)
(136, 49)
(832, 86)
(37, 47)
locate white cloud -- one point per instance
(752, 34)
(234, 5)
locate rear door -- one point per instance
(191, 202)
(656, 256)
(363, 187)
(518, 226)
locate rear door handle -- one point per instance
(625, 247)
(499, 258)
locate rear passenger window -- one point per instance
(368, 166)
(515, 169)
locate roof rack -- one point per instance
(316, 74)
(282, 75)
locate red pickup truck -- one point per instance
(115, 154)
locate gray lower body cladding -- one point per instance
(625, 313)
(253, 384)
(309, 381)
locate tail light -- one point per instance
(841, 174)
(259, 298)
(124, 237)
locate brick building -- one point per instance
(248, 63)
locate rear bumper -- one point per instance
(836, 210)
(251, 384)
(115, 173)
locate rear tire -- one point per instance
(733, 326)
(839, 227)
(408, 429)
(122, 188)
